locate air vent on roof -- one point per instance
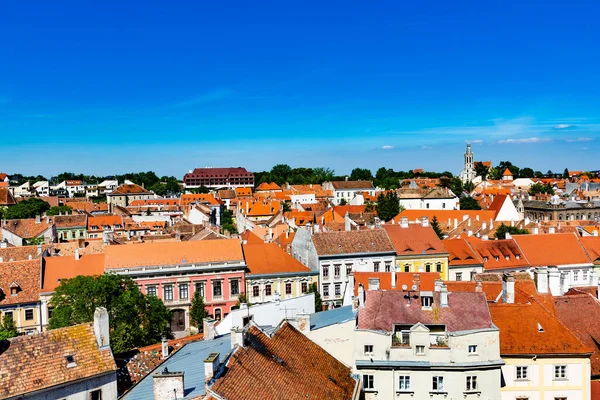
(540, 328)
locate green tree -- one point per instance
(566, 174)
(135, 320)
(388, 206)
(58, 210)
(481, 170)
(550, 174)
(343, 202)
(242, 298)
(7, 328)
(369, 207)
(527, 173)
(323, 175)
(312, 288)
(469, 203)
(26, 209)
(436, 227)
(227, 222)
(286, 207)
(198, 311)
(361, 174)
(537, 188)
(513, 230)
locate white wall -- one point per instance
(81, 390)
(268, 314)
(337, 340)
(430, 204)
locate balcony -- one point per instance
(397, 342)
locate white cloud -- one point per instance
(425, 147)
(581, 139)
(387, 147)
(564, 126)
(524, 140)
(477, 141)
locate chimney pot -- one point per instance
(211, 366)
(208, 328)
(508, 288)
(77, 254)
(444, 296)
(164, 347)
(238, 337)
(101, 327)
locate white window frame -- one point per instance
(420, 350)
(472, 349)
(522, 373)
(404, 383)
(471, 383)
(368, 382)
(437, 383)
(561, 372)
(368, 349)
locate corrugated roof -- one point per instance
(331, 317)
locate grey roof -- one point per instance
(330, 317)
(190, 360)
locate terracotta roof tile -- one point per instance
(70, 221)
(341, 185)
(47, 366)
(415, 239)
(209, 199)
(268, 258)
(349, 242)
(287, 366)
(173, 253)
(22, 253)
(460, 252)
(6, 197)
(26, 274)
(59, 268)
(127, 189)
(26, 228)
(424, 280)
(552, 249)
(498, 254)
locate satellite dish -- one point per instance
(414, 287)
(404, 287)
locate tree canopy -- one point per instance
(388, 206)
(513, 230)
(26, 209)
(312, 288)
(198, 311)
(469, 203)
(59, 210)
(538, 188)
(135, 320)
(7, 328)
(227, 222)
(435, 224)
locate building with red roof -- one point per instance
(218, 178)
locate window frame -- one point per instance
(168, 289)
(437, 384)
(368, 350)
(472, 349)
(29, 310)
(368, 381)
(471, 384)
(404, 380)
(562, 370)
(523, 371)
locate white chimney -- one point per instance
(208, 328)
(595, 233)
(393, 269)
(469, 233)
(444, 296)
(508, 236)
(39, 249)
(566, 282)
(541, 279)
(403, 222)
(164, 345)
(535, 230)
(347, 223)
(483, 226)
(237, 337)
(455, 223)
(437, 285)
(424, 222)
(554, 281)
(361, 295)
(303, 322)
(508, 288)
(211, 366)
(551, 230)
(77, 254)
(37, 219)
(101, 327)
(477, 217)
(168, 385)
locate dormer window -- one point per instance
(70, 361)
(517, 256)
(426, 301)
(485, 259)
(496, 258)
(15, 288)
(507, 258)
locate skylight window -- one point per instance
(70, 361)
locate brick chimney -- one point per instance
(208, 328)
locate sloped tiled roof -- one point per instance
(26, 228)
(342, 185)
(173, 253)
(591, 244)
(70, 221)
(415, 239)
(36, 362)
(349, 242)
(127, 189)
(26, 274)
(520, 332)
(383, 309)
(268, 258)
(187, 199)
(287, 366)
(498, 254)
(267, 186)
(576, 313)
(552, 249)
(6, 197)
(67, 267)
(22, 253)
(460, 252)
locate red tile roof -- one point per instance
(575, 312)
(498, 254)
(415, 239)
(67, 267)
(22, 253)
(47, 365)
(26, 228)
(591, 244)
(127, 189)
(268, 258)
(173, 253)
(25, 274)
(383, 309)
(267, 187)
(349, 242)
(6, 197)
(552, 249)
(70, 221)
(460, 252)
(520, 332)
(287, 366)
(209, 199)
(342, 185)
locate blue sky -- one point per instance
(107, 87)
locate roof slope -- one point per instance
(424, 280)
(415, 239)
(26, 228)
(172, 253)
(59, 268)
(348, 242)
(591, 244)
(522, 336)
(383, 309)
(70, 221)
(268, 258)
(352, 185)
(47, 365)
(6, 197)
(287, 366)
(552, 249)
(460, 252)
(128, 189)
(26, 275)
(574, 312)
(498, 254)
